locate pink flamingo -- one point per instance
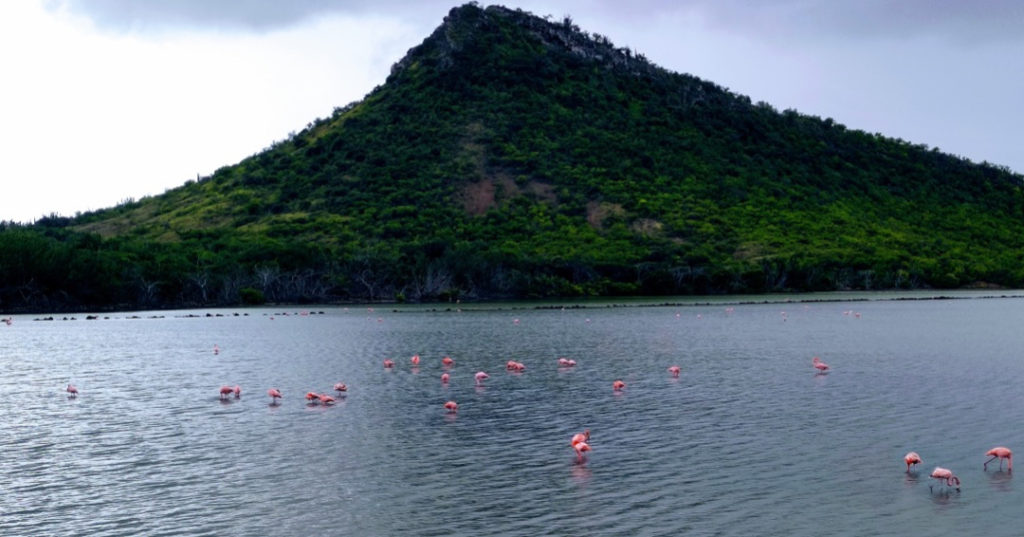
(72, 390)
(451, 406)
(225, 391)
(388, 363)
(513, 365)
(447, 361)
(819, 365)
(340, 387)
(565, 362)
(274, 394)
(911, 459)
(326, 399)
(444, 378)
(580, 448)
(941, 474)
(415, 360)
(480, 376)
(216, 349)
(618, 386)
(312, 397)
(1000, 453)
(674, 370)
(580, 437)
(238, 391)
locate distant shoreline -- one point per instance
(539, 304)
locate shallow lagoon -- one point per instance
(748, 441)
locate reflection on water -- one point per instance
(742, 443)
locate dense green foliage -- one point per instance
(512, 156)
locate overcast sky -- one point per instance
(102, 100)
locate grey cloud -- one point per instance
(957, 20)
(245, 15)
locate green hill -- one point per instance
(512, 156)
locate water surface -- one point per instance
(748, 441)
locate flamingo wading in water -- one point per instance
(274, 394)
(580, 437)
(580, 448)
(945, 474)
(911, 459)
(72, 390)
(480, 376)
(822, 367)
(1000, 453)
(451, 406)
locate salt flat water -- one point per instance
(747, 441)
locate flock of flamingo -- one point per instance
(579, 441)
(944, 476)
(947, 478)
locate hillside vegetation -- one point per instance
(514, 156)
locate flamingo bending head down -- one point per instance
(911, 459)
(580, 448)
(945, 474)
(580, 438)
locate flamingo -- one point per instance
(565, 362)
(312, 397)
(480, 376)
(1000, 453)
(447, 361)
(340, 387)
(819, 365)
(451, 406)
(72, 390)
(388, 363)
(947, 475)
(274, 394)
(580, 447)
(444, 378)
(216, 349)
(580, 437)
(415, 360)
(238, 391)
(618, 385)
(911, 459)
(225, 391)
(326, 399)
(674, 370)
